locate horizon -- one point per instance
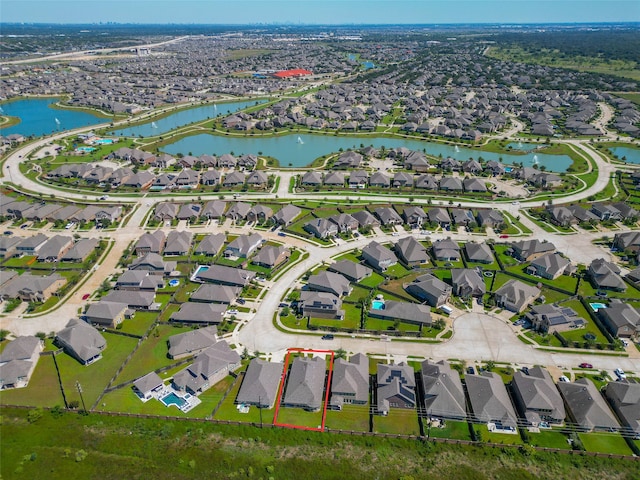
(276, 23)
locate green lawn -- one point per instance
(299, 417)
(372, 280)
(357, 293)
(228, 410)
(151, 355)
(351, 417)
(450, 429)
(605, 443)
(397, 271)
(507, 260)
(586, 290)
(383, 325)
(549, 439)
(94, 378)
(351, 320)
(399, 420)
(492, 437)
(564, 282)
(140, 323)
(43, 389)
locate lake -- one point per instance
(182, 118)
(38, 118)
(632, 155)
(292, 152)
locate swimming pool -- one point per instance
(174, 283)
(597, 306)
(377, 305)
(103, 141)
(85, 149)
(173, 399)
(201, 269)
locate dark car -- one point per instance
(8, 232)
(282, 234)
(328, 336)
(525, 370)
(86, 296)
(585, 365)
(471, 371)
(24, 225)
(241, 301)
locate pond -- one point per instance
(626, 154)
(37, 117)
(184, 117)
(300, 150)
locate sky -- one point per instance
(319, 11)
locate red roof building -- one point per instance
(297, 72)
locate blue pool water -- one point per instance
(377, 305)
(174, 283)
(173, 399)
(85, 149)
(201, 269)
(103, 141)
(597, 306)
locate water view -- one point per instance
(300, 150)
(626, 154)
(38, 118)
(182, 118)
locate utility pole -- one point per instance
(79, 387)
(429, 425)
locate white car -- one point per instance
(232, 312)
(563, 379)
(620, 373)
(395, 234)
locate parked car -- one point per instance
(233, 311)
(241, 301)
(471, 371)
(563, 379)
(24, 225)
(86, 296)
(504, 236)
(8, 232)
(585, 365)
(328, 336)
(282, 234)
(525, 370)
(620, 373)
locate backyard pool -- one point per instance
(199, 270)
(174, 283)
(597, 306)
(377, 304)
(103, 141)
(173, 399)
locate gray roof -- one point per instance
(104, 311)
(53, 247)
(260, 383)
(22, 348)
(586, 406)
(467, 282)
(192, 341)
(178, 242)
(526, 248)
(27, 281)
(135, 299)
(404, 312)
(395, 381)
(329, 282)
(215, 293)
(489, 399)
(214, 209)
(538, 394)
(286, 214)
(378, 253)
(552, 263)
(84, 341)
(478, 252)
(269, 255)
(428, 287)
(443, 393)
(32, 243)
(606, 274)
(227, 275)
(446, 249)
(351, 270)
(199, 313)
(211, 244)
(305, 383)
(624, 397)
(148, 382)
(217, 358)
(517, 294)
(621, 318)
(411, 251)
(80, 250)
(365, 218)
(243, 245)
(152, 262)
(350, 378)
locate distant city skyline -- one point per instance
(326, 12)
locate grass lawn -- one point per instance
(351, 417)
(94, 378)
(140, 323)
(228, 410)
(451, 429)
(351, 320)
(348, 256)
(151, 355)
(395, 287)
(493, 437)
(506, 259)
(397, 271)
(300, 417)
(356, 294)
(564, 282)
(605, 443)
(372, 280)
(549, 439)
(399, 420)
(384, 325)
(43, 389)
(586, 290)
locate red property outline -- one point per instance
(281, 389)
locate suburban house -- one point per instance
(329, 282)
(366, 219)
(8, 246)
(549, 318)
(396, 387)
(189, 211)
(439, 216)
(154, 263)
(139, 280)
(587, 407)
(515, 296)
(605, 275)
(260, 384)
(213, 209)
(80, 250)
(430, 289)
(467, 283)
(621, 319)
(403, 312)
(150, 243)
(54, 248)
(81, 341)
(286, 215)
(463, 217)
(259, 214)
(146, 386)
(411, 252)
(208, 368)
(388, 216)
(528, 250)
(490, 402)
(305, 384)
(321, 228)
(350, 381)
(221, 275)
(199, 313)
(166, 211)
(490, 218)
(624, 398)
(211, 293)
(345, 222)
(137, 300)
(31, 245)
(446, 249)
(108, 314)
(178, 243)
(238, 211)
(355, 272)
(271, 256)
(443, 392)
(537, 398)
(320, 304)
(192, 342)
(18, 360)
(244, 245)
(378, 257)
(210, 244)
(551, 266)
(478, 252)
(414, 216)
(32, 288)
(627, 241)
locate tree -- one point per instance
(3, 334)
(490, 365)
(341, 353)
